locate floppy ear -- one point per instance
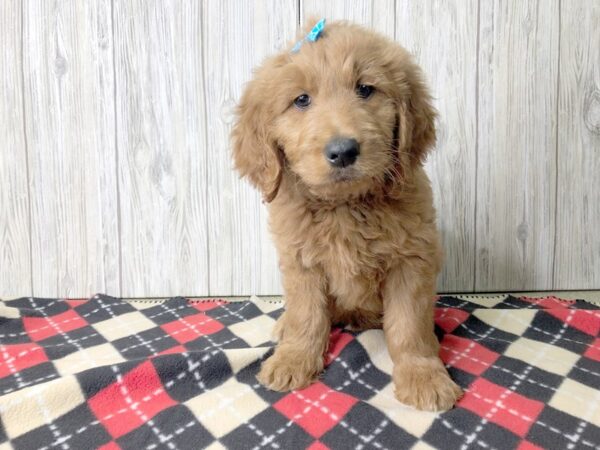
(256, 155)
(416, 114)
(423, 117)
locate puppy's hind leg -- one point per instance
(356, 303)
(359, 319)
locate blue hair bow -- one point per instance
(312, 36)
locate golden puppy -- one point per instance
(335, 135)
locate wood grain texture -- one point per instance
(68, 93)
(115, 163)
(516, 171)
(161, 142)
(443, 37)
(236, 37)
(15, 263)
(578, 205)
(376, 14)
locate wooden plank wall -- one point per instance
(160, 141)
(115, 172)
(15, 246)
(578, 154)
(68, 92)
(517, 127)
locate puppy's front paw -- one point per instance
(425, 384)
(286, 371)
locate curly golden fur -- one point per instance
(357, 244)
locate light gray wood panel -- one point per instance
(443, 37)
(68, 93)
(516, 171)
(236, 37)
(15, 263)
(162, 147)
(578, 205)
(376, 14)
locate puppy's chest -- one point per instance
(350, 240)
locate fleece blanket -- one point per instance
(180, 374)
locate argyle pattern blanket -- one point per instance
(180, 374)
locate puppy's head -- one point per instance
(344, 114)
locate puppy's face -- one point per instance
(344, 114)
(337, 120)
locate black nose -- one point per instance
(342, 152)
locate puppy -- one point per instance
(334, 134)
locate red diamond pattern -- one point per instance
(317, 408)
(466, 354)
(448, 319)
(501, 406)
(191, 327)
(122, 407)
(16, 357)
(39, 328)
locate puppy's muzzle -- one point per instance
(342, 152)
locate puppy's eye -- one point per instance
(364, 90)
(302, 101)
